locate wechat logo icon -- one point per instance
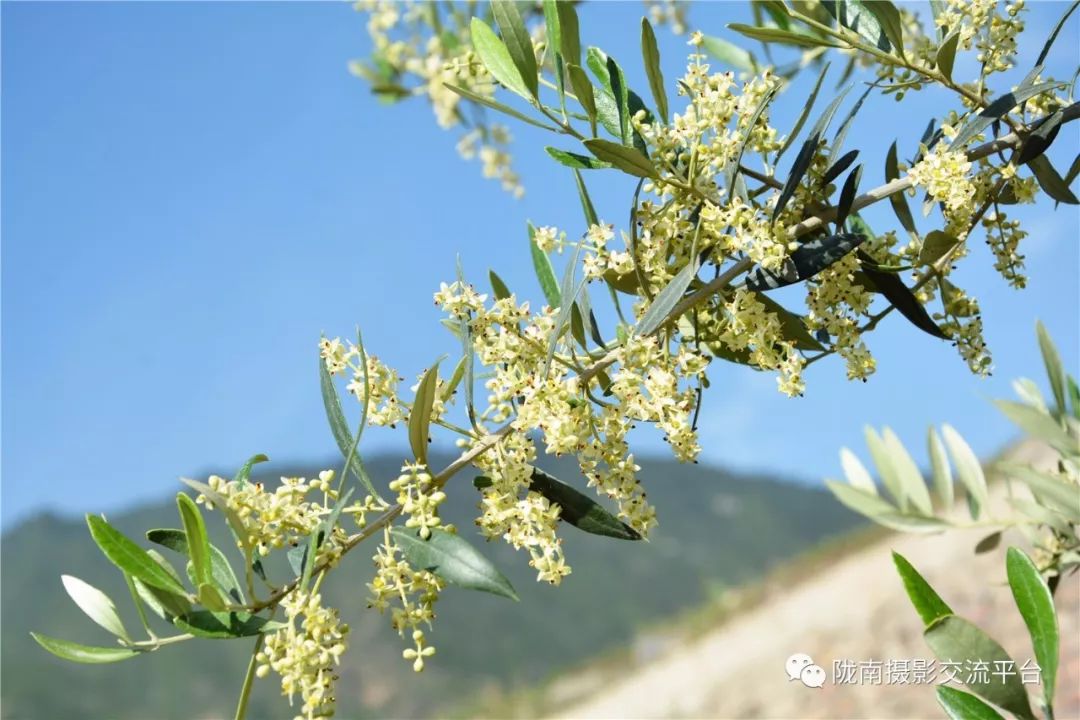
(800, 666)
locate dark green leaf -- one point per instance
(497, 59)
(1036, 606)
(83, 653)
(845, 125)
(847, 197)
(573, 160)
(889, 19)
(936, 245)
(784, 37)
(517, 41)
(988, 543)
(1052, 183)
(579, 510)
(811, 258)
(627, 159)
(222, 573)
(583, 89)
(420, 415)
(545, 273)
(1053, 35)
(959, 705)
(894, 290)
(927, 602)
(224, 625)
(856, 16)
(839, 167)
(498, 286)
(955, 639)
(1040, 138)
(997, 109)
(454, 560)
(806, 155)
(897, 200)
(946, 54)
(569, 36)
(651, 55)
(792, 326)
(129, 557)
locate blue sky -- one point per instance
(192, 192)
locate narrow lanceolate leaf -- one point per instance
(731, 173)
(1055, 370)
(500, 107)
(666, 300)
(245, 471)
(83, 653)
(889, 19)
(942, 471)
(651, 55)
(997, 109)
(1052, 493)
(968, 469)
(568, 292)
(857, 17)
(955, 639)
(583, 89)
(129, 557)
(225, 625)
(901, 297)
(811, 258)
(907, 473)
(573, 160)
(805, 113)
(1052, 183)
(897, 200)
(339, 428)
(498, 286)
(783, 37)
(792, 326)
(454, 560)
(890, 478)
(545, 273)
(1041, 425)
(863, 502)
(927, 602)
(838, 167)
(856, 472)
(959, 705)
(569, 36)
(946, 54)
(627, 159)
(806, 155)
(1040, 138)
(496, 58)
(579, 510)
(847, 196)
(96, 604)
(198, 543)
(223, 576)
(420, 415)
(1053, 35)
(1036, 606)
(935, 245)
(728, 53)
(517, 41)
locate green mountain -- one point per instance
(716, 530)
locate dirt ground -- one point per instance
(854, 611)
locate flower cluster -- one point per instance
(372, 379)
(305, 652)
(945, 176)
(1003, 236)
(982, 24)
(418, 498)
(410, 595)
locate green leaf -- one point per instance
(988, 543)
(935, 245)
(583, 89)
(946, 54)
(96, 604)
(856, 473)
(901, 297)
(732, 171)
(208, 596)
(666, 300)
(879, 451)
(955, 639)
(1039, 140)
(897, 200)
(1063, 497)
(909, 523)
(907, 472)
(729, 53)
(959, 705)
(496, 105)
(545, 273)
(198, 543)
(1055, 370)
(1052, 183)
(927, 602)
(420, 415)
(83, 653)
(573, 160)
(222, 573)
(1036, 606)
(343, 436)
(245, 471)
(498, 286)
(651, 54)
(942, 471)
(586, 203)
(497, 59)
(792, 326)
(807, 107)
(1040, 425)
(1053, 35)
(225, 625)
(454, 560)
(579, 510)
(569, 37)
(864, 502)
(857, 17)
(847, 196)
(806, 155)
(997, 109)
(129, 557)
(968, 469)
(627, 159)
(517, 41)
(889, 19)
(784, 37)
(808, 260)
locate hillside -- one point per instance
(717, 531)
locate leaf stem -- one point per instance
(249, 677)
